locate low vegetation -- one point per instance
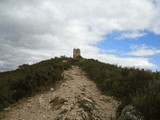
(137, 87)
(28, 79)
(140, 88)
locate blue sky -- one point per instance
(114, 44)
(122, 32)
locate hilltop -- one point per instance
(137, 90)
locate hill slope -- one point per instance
(77, 98)
(138, 90)
(29, 79)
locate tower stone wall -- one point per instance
(76, 53)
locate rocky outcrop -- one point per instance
(86, 104)
(130, 113)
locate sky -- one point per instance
(121, 32)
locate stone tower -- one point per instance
(76, 53)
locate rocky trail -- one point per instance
(76, 98)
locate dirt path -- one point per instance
(77, 98)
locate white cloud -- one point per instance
(138, 62)
(155, 22)
(130, 35)
(32, 30)
(143, 50)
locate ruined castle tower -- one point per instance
(76, 53)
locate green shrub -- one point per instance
(132, 86)
(147, 100)
(28, 79)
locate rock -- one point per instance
(57, 102)
(41, 100)
(52, 89)
(64, 111)
(29, 105)
(89, 100)
(82, 93)
(130, 113)
(71, 107)
(84, 116)
(59, 117)
(83, 89)
(64, 85)
(107, 100)
(97, 117)
(29, 100)
(112, 117)
(86, 104)
(7, 109)
(64, 61)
